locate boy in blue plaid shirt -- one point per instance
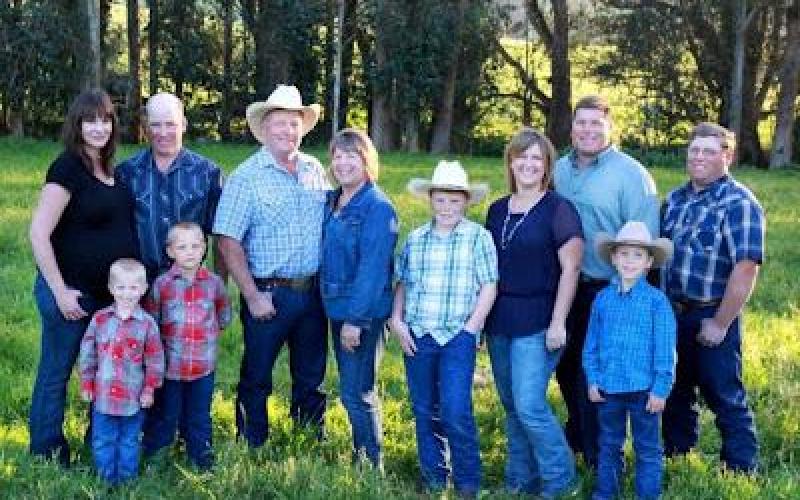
(447, 282)
(629, 359)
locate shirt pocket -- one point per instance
(706, 236)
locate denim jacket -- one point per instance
(357, 256)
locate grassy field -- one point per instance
(294, 466)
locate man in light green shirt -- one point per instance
(608, 188)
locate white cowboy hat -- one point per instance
(283, 97)
(634, 233)
(448, 176)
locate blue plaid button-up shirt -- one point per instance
(188, 191)
(442, 275)
(276, 216)
(712, 230)
(630, 343)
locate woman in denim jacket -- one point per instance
(358, 239)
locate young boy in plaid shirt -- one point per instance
(191, 306)
(121, 363)
(447, 282)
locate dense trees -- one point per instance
(419, 74)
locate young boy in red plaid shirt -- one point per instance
(191, 306)
(121, 364)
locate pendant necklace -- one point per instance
(505, 238)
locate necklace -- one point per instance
(505, 238)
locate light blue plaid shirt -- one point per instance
(275, 215)
(442, 275)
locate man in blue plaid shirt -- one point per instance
(717, 227)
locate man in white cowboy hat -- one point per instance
(269, 223)
(718, 228)
(608, 188)
(629, 359)
(447, 282)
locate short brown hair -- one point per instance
(522, 140)
(184, 226)
(593, 101)
(357, 141)
(127, 267)
(90, 104)
(727, 139)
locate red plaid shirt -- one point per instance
(191, 315)
(120, 359)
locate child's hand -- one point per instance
(350, 337)
(655, 404)
(146, 399)
(87, 396)
(403, 334)
(595, 396)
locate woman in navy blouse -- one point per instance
(358, 237)
(539, 246)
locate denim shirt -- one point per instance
(357, 256)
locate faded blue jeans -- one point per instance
(539, 458)
(357, 371)
(440, 386)
(115, 445)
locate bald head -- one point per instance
(165, 127)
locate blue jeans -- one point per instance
(300, 323)
(539, 458)
(357, 371)
(115, 445)
(612, 418)
(440, 386)
(184, 402)
(60, 344)
(717, 372)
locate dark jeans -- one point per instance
(440, 386)
(115, 445)
(60, 343)
(357, 372)
(612, 419)
(301, 324)
(581, 426)
(184, 402)
(717, 372)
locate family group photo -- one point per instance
(369, 249)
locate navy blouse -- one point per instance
(529, 265)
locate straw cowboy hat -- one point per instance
(448, 176)
(634, 233)
(283, 97)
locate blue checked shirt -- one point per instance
(275, 215)
(712, 230)
(609, 192)
(630, 343)
(442, 275)
(188, 191)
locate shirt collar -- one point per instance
(357, 198)
(597, 161)
(174, 272)
(640, 283)
(138, 313)
(269, 161)
(177, 162)
(460, 228)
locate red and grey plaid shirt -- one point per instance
(120, 359)
(191, 315)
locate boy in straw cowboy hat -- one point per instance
(629, 359)
(447, 282)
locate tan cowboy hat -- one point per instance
(448, 176)
(634, 233)
(283, 97)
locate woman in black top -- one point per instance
(82, 224)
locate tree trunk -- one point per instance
(737, 75)
(94, 75)
(412, 133)
(789, 73)
(382, 126)
(134, 59)
(559, 118)
(227, 78)
(152, 46)
(443, 124)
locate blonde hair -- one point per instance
(127, 267)
(184, 226)
(352, 140)
(727, 139)
(522, 140)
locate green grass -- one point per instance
(293, 465)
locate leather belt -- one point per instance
(303, 284)
(682, 306)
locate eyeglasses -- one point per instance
(706, 152)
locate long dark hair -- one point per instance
(90, 104)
